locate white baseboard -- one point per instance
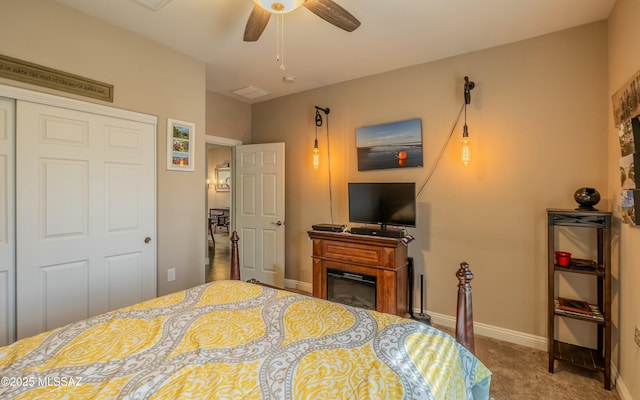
(303, 286)
(621, 388)
(507, 335)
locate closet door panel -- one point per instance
(86, 195)
(7, 224)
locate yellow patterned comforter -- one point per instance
(235, 340)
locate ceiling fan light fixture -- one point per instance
(279, 6)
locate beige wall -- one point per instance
(624, 62)
(538, 125)
(538, 119)
(228, 118)
(148, 78)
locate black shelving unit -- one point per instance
(598, 359)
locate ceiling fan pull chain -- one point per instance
(282, 67)
(277, 37)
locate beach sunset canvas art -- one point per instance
(392, 145)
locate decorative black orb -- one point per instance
(587, 198)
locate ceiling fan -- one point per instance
(325, 9)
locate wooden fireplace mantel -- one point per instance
(382, 257)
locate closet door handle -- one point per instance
(147, 239)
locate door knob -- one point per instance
(277, 223)
(147, 239)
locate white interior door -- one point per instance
(259, 205)
(7, 214)
(85, 187)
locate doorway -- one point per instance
(260, 215)
(219, 207)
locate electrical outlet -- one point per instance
(171, 274)
(638, 336)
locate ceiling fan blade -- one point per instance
(331, 12)
(256, 23)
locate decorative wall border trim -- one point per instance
(35, 74)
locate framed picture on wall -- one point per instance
(223, 179)
(392, 145)
(180, 145)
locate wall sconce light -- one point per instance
(466, 144)
(316, 154)
(208, 183)
(466, 151)
(316, 151)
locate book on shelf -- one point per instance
(577, 306)
(595, 315)
(582, 264)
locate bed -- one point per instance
(233, 339)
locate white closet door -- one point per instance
(7, 214)
(85, 234)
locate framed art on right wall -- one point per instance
(626, 116)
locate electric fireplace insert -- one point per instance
(358, 290)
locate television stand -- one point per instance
(382, 232)
(384, 258)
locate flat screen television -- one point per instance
(383, 203)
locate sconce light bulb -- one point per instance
(316, 155)
(466, 147)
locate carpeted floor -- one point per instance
(520, 373)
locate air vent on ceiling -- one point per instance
(155, 5)
(251, 92)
